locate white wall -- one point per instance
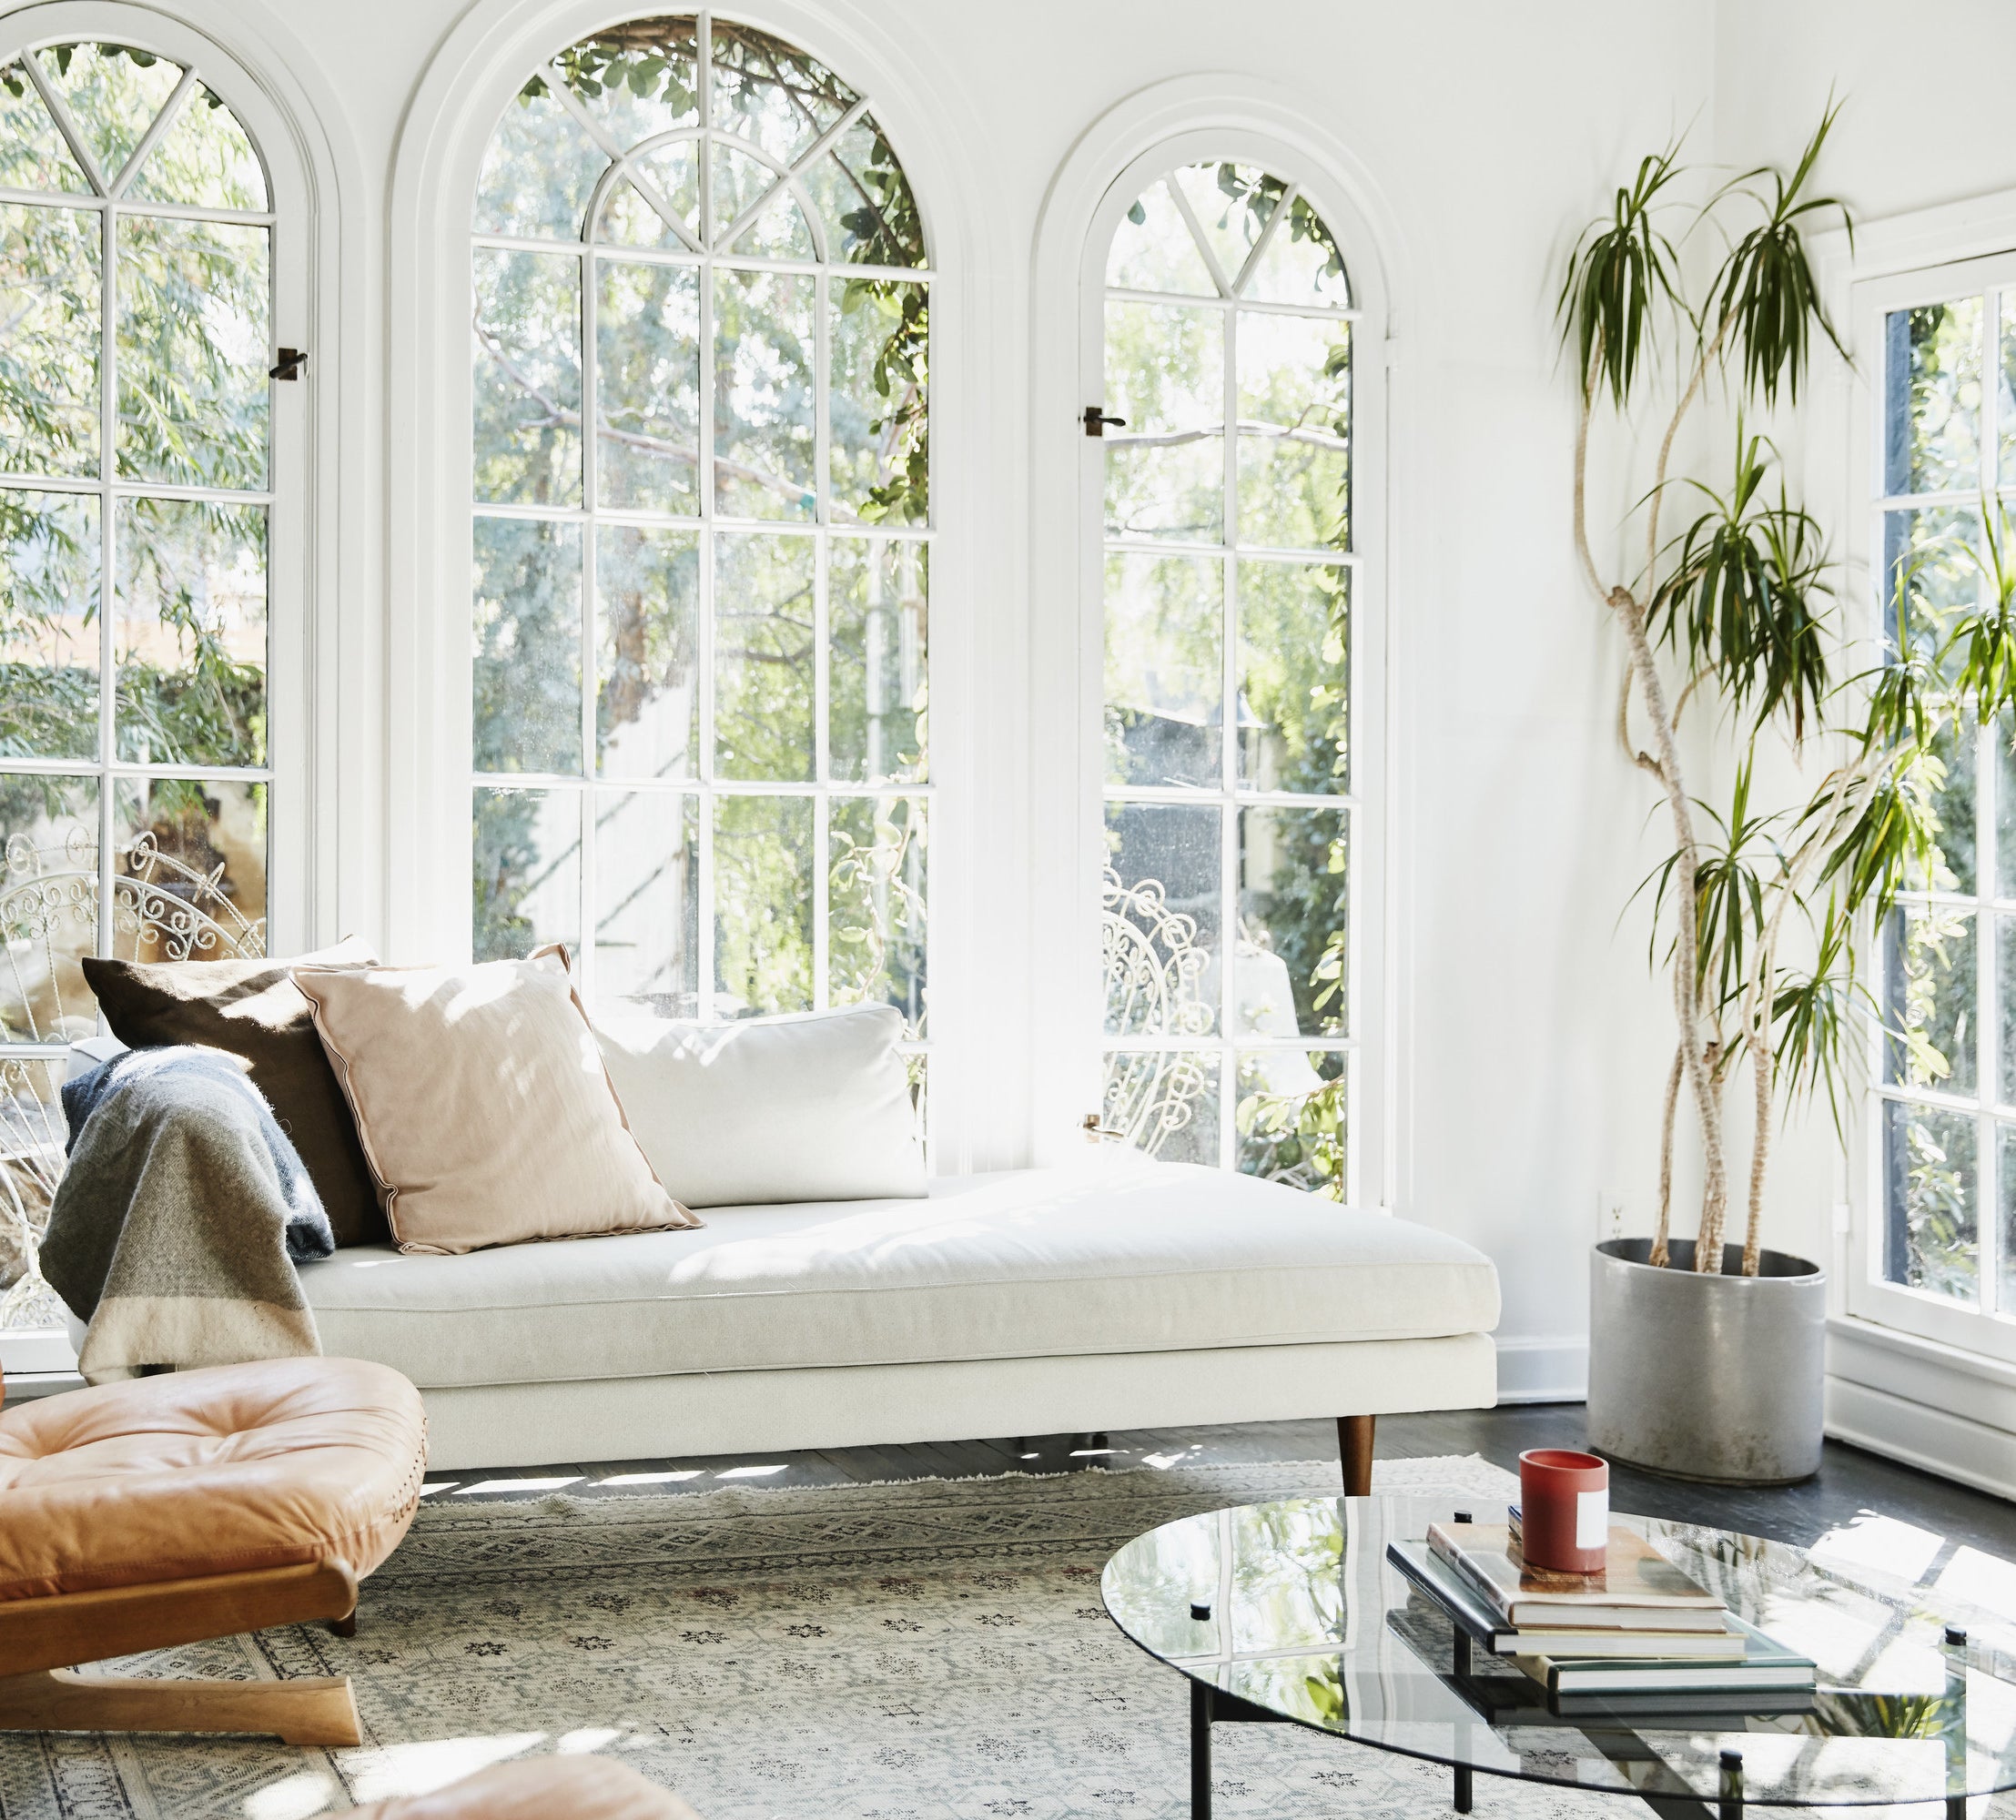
(1531, 1044)
(1927, 119)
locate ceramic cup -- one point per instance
(1563, 1509)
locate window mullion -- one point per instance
(821, 611)
(170, 110)
(703, 922)
(109, 429)
(1986, 925)
(1987, 1059)
(1228, 941)
(59, 111)
(590, 494)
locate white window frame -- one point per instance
(1868, 1296)
(980, 1056)
(705, 786)
(321, 776)
(1228, 796)
(1192, 121)
(289, 222)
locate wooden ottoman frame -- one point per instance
(43, 1638)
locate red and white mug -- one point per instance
(1563, 1509)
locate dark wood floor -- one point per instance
(1851, 1483)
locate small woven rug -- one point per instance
(929, 1649)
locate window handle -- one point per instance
(292, 359)
(1095, 1129)
(1096, 420)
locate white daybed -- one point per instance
(1127, 1294)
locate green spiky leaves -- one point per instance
(1623, 278)
(1740, 600)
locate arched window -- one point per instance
(136, 487)
(700, 628)
(1227, 572)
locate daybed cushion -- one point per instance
(809, 1107)
(1132, 1257)
(253, 1008)
(482, 1105)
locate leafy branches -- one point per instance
(1735, 607)
(1740, 600)
(1622, 276)
(1765, 294)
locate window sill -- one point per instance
(26, 1350)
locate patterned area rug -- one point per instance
(929, 1649)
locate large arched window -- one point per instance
(700, 627)
(136, 487)
(1226, 327)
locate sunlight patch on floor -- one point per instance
(420, 1768)
(293, 1797)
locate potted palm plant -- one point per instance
(1706, 1354)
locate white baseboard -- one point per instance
(1543, 1369)
(1922, 1403)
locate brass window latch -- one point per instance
(1096, 420)
(292, 359)
(1094, 1130)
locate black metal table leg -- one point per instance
(1463, 1788)
(1199, 1751)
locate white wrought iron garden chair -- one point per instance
(1154, 972)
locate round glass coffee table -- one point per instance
(1289, 1612)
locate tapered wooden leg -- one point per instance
(318, 1711)
(1355, 1451)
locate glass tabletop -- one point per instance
(1307, 1620)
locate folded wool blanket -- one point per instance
(175, 1228)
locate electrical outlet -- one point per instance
(1610, 1210)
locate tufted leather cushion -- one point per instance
(541, 1788)
(216, 1470)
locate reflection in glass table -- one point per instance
(1289, 1612)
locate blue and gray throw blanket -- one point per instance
(176, 1228)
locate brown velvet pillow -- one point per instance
(253, 1008)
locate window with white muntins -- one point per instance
(701, 334)
(1939, 1256)
(140, 484)
(1227, 575)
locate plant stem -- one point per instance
(1666, 767)
(1686, 866)
(1661, 1254)
(1761, 1141)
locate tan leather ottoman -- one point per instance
(541, 1788)
(194, 1504)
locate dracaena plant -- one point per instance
(1763, 911)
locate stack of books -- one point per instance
(1640, 1627)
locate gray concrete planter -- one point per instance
(1710, 1378)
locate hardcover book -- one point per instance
(1636, 1580)
(1766, 1667)
(1712, 1640)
